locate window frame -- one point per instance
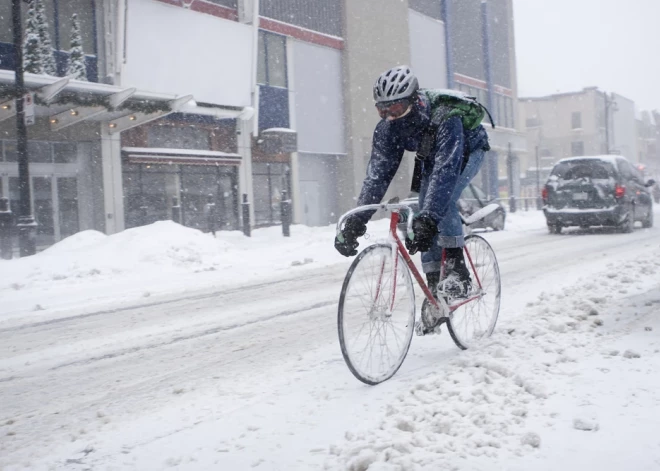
(573, 144)
(264, 71)
(576, 118)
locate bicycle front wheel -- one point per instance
(476, 319)
(376, 317)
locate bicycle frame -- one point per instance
(398, 246)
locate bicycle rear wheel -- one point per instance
(476, 319)
(376, 317)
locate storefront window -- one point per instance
(65, 152)
(39, 152)
(10, 151)
(269, 180)
(151, 190)
(43, 209)
(67, 196)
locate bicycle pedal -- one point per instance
(422, 330)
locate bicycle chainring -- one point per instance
(430, 319)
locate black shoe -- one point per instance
(457, 282)
(432, 280)
(455, 288)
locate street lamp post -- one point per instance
(539, 200)
(610, 107)
(27, 227)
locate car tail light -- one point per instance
(544, 194)
(619, 191)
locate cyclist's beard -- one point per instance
(411, 125)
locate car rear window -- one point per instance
(576, 169)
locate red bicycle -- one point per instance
(376, 317)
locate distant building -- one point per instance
(588, 122)
(648, 143)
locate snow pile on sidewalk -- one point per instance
(168, 246)
(161, 258)
(164, 245)
(492, 401)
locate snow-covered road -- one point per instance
(251, 376)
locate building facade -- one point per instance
(279, 108)
(153, 131)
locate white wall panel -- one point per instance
(319, 103)
(427, 50)
(179, 51)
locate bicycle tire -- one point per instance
(484, 310)
(358, 291)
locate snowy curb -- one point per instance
(478, 407)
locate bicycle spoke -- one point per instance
(476, 319)
(376, 330)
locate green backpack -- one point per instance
(445, 104)
(467, 107)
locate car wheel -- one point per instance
(498, 221)
(648, 222)
(555, 228)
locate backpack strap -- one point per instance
(490, 118)
(424, 150)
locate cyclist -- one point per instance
(456, 154)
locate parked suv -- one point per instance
(596, 191)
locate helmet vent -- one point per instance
(397, 83)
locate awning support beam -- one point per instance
(48, 92)
(74, 116)
(81, 113)
(136, 119)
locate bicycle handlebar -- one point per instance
(394, 207)
(398, 207)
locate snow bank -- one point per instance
(161, 258)
(164, 245)
(491, 402)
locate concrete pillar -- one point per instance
(295, 161)
(244, 141)
(85, 186)
(113, 194)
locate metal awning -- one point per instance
(65, 102)
(162, 156)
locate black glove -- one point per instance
(346, 242)
(424, 229)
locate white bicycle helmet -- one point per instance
(397, 83)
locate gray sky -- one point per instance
(566, 45)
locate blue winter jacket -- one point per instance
(440, 169)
